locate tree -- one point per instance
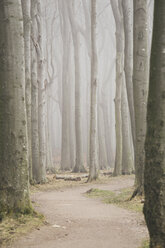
(14, 186)
(66, 105)
(26, 4)
(93, 174)
(118, 16)
(154, 179)
(79, 165)
(140, 87)
(128, 58)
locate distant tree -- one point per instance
(93, 161)
(118, 16)
(38, 95)
(14, 181)
(66, 105)
(79, 163)
(154, 176)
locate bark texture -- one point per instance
(65, 147)
(26, 4)
(38, 95)
(79, 163)
(93, 173)
(14, 188)
(154, 183)
(118, 16)
(140, 86)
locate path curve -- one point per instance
(76, 221)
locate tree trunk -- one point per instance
(41, 94)
(140, 87)
(14, 186)
(93, 166)
(38, 165)
(154, 176)
(127, 151)
(26, 4)
(118, 15)
(65, 147)
(128, 63)
(79, 165)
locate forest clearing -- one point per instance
(82, 123)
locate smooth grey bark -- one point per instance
(41, 93)
(65, 147)
(128, 58)
(103, 161)
(38, 132)
(140, 87)
(79, 163)
(127, 151)
(154, 173)
(93, 166)
(118, 15)
(26, 6)
(14, 180)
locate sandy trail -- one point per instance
(79, 222)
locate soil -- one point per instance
(75, 221)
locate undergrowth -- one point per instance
(11, 227)
(120, 198)
(145, 244)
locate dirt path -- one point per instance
(79, 222)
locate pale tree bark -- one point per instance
(79, 163)
(127, 151)
(118, 15)
(35, 134)
(14, 180)
(41, 93)
(154, 179)
(26, 5)
(128, 58)
(93, 166)
(38, 132)
(103, 161)
(65, 147)
(140, 87)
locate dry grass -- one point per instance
(120, 198)
(13, 227)
(145, 244)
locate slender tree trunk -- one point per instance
(65, 147)
(128, 63)
(38, 165)
(154, 176)
(140, 87)
(41, 94)
(26, 5)
(103, 161)
(14, 180)
(127, 151)
(79, 163)
(118, 15)
(93, 167)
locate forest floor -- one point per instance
(74, 220)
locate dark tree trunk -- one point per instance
(154, 176)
